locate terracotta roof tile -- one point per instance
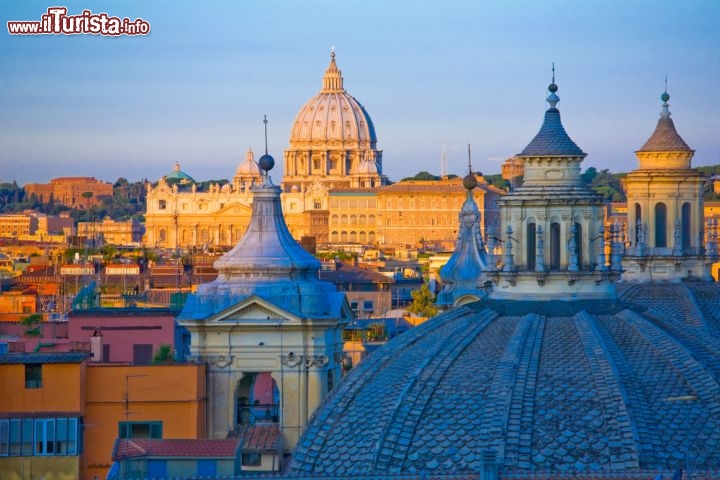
(260, 438)
(213, 448)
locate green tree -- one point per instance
(32, 324)
(164, 354)
(423, 175)
(423, 302)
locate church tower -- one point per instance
(269, 330)
(552, 234)
(665, 209)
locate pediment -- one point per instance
(253, 310)
(235, 208)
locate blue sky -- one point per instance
(429, 73)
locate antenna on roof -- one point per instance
(265, 121)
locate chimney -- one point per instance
(96, 346)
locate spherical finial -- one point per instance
(665, 97)
(552, 88)
(470, 182)
(266, 163)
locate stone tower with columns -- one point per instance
(269, 330)
(552, 233)
(665, 210)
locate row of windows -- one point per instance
(362, 237)
(361, 203)
(25, 437)
(661, 226)
(353, 219)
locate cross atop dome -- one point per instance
(333, 80)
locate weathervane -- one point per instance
(553, 72)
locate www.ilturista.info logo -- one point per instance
(57, 22)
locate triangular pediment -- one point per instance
(253, 310)
(235, 208)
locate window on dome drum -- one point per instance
(554, 246)
(33, 375)
(638, 218)
(686, 225)
(578, 244)
(531, 247)
(660, 225)
(140, 429)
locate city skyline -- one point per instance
(196, 88)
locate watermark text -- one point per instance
(57, 22)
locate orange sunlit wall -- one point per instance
(62, 390)
(172, 394)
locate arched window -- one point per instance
(343, 237)
(363, 237)
(353, 237)
(371, 237)
(343, 220)
(660, 225)
(334, 237)
(686, 225)
(555, 246)
(334, 219)
(579, 244)
(638, 218)
(371, 219)
(531, 247)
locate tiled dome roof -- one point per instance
(665, 138)
(614, 387)
(552, 138)
(333, 115)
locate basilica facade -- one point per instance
(333, 189)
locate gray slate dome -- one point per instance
(552, 139)
(269, 263)
(623, 387)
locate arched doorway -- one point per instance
(257, 399)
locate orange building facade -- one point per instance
(59, 416)
(71, 191)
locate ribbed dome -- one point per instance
(179, 175)
(624, 387)
(249, 167)
(368, 167)
(333, 115)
